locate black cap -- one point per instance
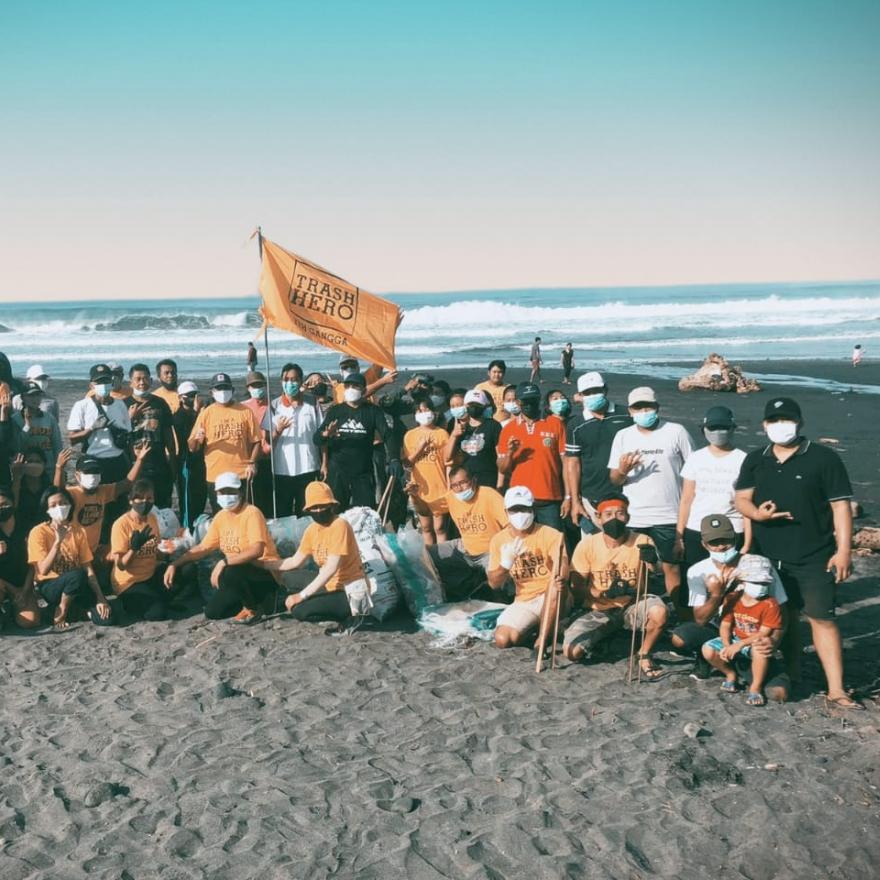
(88, 464)
(355, 379)
(100, 373)
(424, 378)
(527, 389)
(718, 417)
(716, 527)
(220, 379)
(31, 388)
(782, 408)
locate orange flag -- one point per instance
(305, 299)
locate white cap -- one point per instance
(187, 388)
(590, 380)
(476, 395)
(518, 496)
(755, 569)
(228, 480)
(641, 395)
(36, 372)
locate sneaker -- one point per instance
(246, 616)
(702, 669)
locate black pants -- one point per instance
(73, 583)
(262, 488)
(290, 493)
(192, 491)
(241, 586)
(163, 486)
(147, 600)
(323, 606)
(352, 490)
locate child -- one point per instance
(748, 615)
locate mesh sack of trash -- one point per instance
(406, 556)
(452, 622)
(287, 533)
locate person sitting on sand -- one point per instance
(16, 576)
(750, 614)
(240, 533)
(526, 553)
(606, 569)
(62, 559)
(330, 542)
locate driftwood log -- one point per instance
(716, 374)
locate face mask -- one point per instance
(352, 395)
(531, 409)
(59, 513)
(187, 401)
(646, 419)
(137, 392)
(291, 389)
(437, 401)
(322, 517)
(721, 437)
(257, 393)
(560, 407)
(782, 433)
(142, 507)
(103, 390)
(34, 469)
(512, 407)
(724, 556)
(458, 412)
(222, 395)
(614, 528)
(227, 501)
(89, 482)
(425, 418)
(6, 513)
(346, 373)
(43, 383)
(521, 521)
(595, 402)
(756, 591)
(466, 494)
(475, 411)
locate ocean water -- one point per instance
(627, 329)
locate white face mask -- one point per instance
(521, 520)
(59, 513)
(346, 373)
(352, 395)
(43, 383)
(756, 591)
(222, 395)
(782, 433)
(138, 392)
(89, 481)
(425, 418)
(512, 407)
(227, 501)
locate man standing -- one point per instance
(567, 362)
(494, 386)
(535, 361)
(348, 366)
(36, 426)
(192, 488)
(251, 358)
(166, 372)
(797, 494)
(38, 376)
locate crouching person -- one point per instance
(239, 532)
(527, 554)
(16, 576)
(607, 568)
(134, 548)
(62, 560)
(330, 542)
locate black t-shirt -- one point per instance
(567, 357)
(151, 422)
(28, 512)
(804, 485)
(13, 562)
(479, 446)
(351, 449)
(183, 421)
(590, 440)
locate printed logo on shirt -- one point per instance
(473, 445)
(352, 426)
(229, 429)
(529, 565)
(614, 574)
(472, 524)
(90, 513)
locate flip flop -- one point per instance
(847, 703)
(754, 699)
(653, 672)
(729, 687)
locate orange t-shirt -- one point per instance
(538, 461)
(88, 509)
(479, 519)
(233, 531)
(748, 619)
(143, 564)
(73, 552)
(496, 392)
(230, 434)
(336, 539)
(429, 470)
(531, 569)
(600, 566)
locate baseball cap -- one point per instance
(782, 408)
(716, 527)
(355, 379)
(475, 395)
(100, 373)
(218, 380)
(718, 417)
(347, 359)
(36, 372)
(228, 480)
(518, 496)
(88, 464)
(755, 569)
(187, 388)
(643, 394)
(31, 388)
(424, 378)
(255, 376)
(527, 389)
(590, 380)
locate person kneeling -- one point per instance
(607, 567)
(330, 542)
(16, 576)
(239, 531)
(749, 616)
(134, 548)
(527, 554)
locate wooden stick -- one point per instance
(644, 615)
(545, 613)
(385, 501)
(632, 642)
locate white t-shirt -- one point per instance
(84, 413)
(698, 594)
(653, 487)
(713, 476)
(295, 451)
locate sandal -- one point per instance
(755, 699)
(246, 616)
(845, 702)
(729, 687)
(651, 672)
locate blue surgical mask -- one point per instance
(646, 418)
(458, 412)
(724, 556)
(595, 402)
(257, 393)
(512, 407)
(227, 501)
(560, 407)
(103, 390)
(291, 389)
(756, 591)
(466, 495)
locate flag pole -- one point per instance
(268, 390)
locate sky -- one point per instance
(437, 146)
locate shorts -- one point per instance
(717, 645)
(437, 507)
(809, 587)
(693, 636)
(522, 616)
(592, 627)
(663, 538)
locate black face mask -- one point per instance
(6, 513)
(475, 411)
(531, 409)
(142, 507)
(614, 528)
(323, 517)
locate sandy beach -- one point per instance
(195, 749)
